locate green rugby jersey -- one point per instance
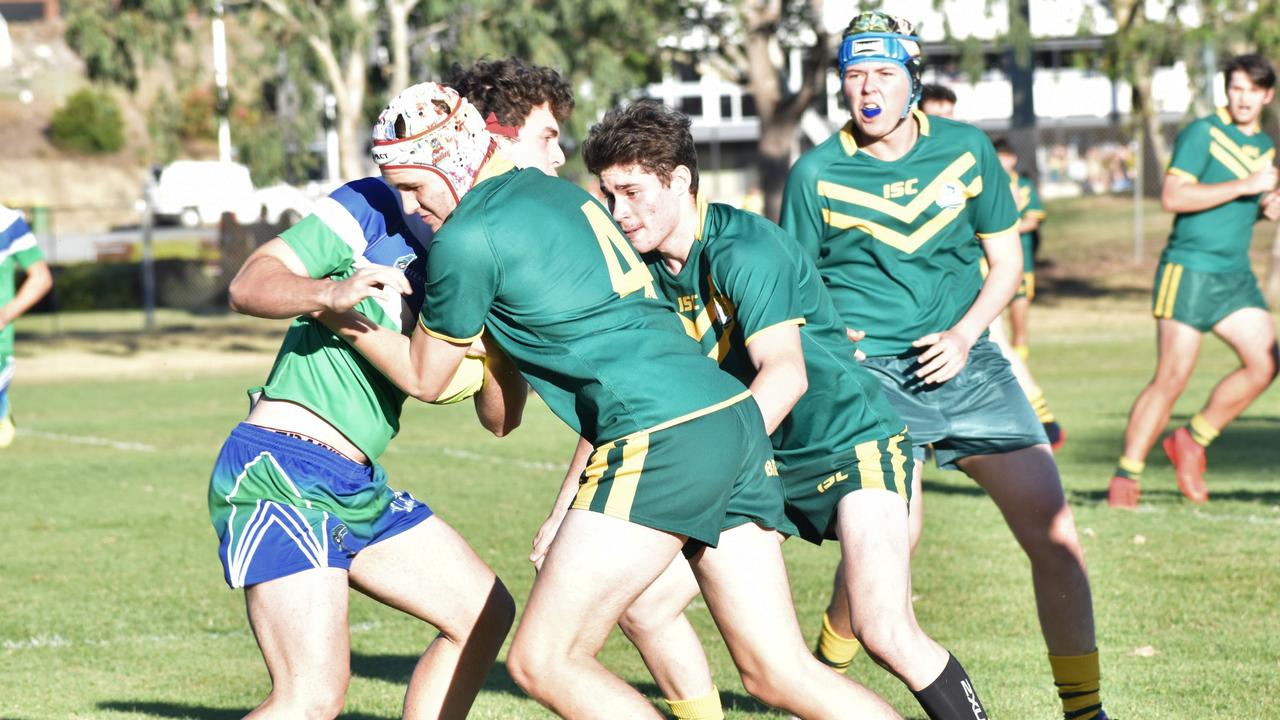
(360, 223)
(18, 249)
(1027, 200)
(743, 276)
(538, 263)
(1214, 150)
(896, 243)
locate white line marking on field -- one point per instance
(527, 464)
(57, 641)
(87, 440)
(460, 454)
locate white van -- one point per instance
(197, 192)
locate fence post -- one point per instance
(148, 267)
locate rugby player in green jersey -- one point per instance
(1221, 178)
(896, 209)
(1030, 215)
(755, 303)
(680, 459)
(323, 392)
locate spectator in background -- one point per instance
(18, 249)
(938, 100)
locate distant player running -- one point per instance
(1030, 215)
(754, 301)
(1221, 178)
(892, 209)
(680, 458)
(18, 249)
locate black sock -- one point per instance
(951, 695)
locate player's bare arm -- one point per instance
(780, 375)
(501, 400)
(568, 490)
(39, 281)
(435, 360)
(1181, 194)
(948, 351)
(273, 283)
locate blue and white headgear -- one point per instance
(875, 36)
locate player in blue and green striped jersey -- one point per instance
(1221, 179)
(896, 209)
(297, 497)
(18, 249)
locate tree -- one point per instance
(339, 35)
(749, 42)
(118, 39)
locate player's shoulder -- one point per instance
(821, 156)
(737, 237)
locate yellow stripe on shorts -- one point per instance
(870, 471)
(626, 480)
(898, 460)
(596, 466)
(1174, 275)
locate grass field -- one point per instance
(114, 605)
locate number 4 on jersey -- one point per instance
(618, 254)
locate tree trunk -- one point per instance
(776, 141)
(398, 19)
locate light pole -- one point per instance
(220, 79)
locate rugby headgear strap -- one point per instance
(431, 126)
(877, 37)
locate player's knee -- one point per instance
(776, 682)
(529, 661)
(1262, 367)
(1171, 380)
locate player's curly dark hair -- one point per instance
(645, 133)
(510, 89)
(1257, 67)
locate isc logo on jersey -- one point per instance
(950, 195)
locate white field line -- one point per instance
(86, 440)
(540, 465)
(45, 640)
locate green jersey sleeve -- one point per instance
(326, 241)
(1191, 151)
(462, 282)
(994, 208)
(762, 283)
(801, 215)
(30, 256)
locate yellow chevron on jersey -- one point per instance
(910, 243)
(910, 212)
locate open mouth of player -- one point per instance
(870, 110)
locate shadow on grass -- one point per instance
(396, 669)
(199, 712)
(1050, 288)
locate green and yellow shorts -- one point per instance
(695, 478)
(814, 489)
(981, 411)
(1202, 299)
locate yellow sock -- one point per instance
(1023, 351)
(1040, 405)
(1202, 431)
(1079, 684)
(706, 707)
(835, 649)
(1130, 468)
